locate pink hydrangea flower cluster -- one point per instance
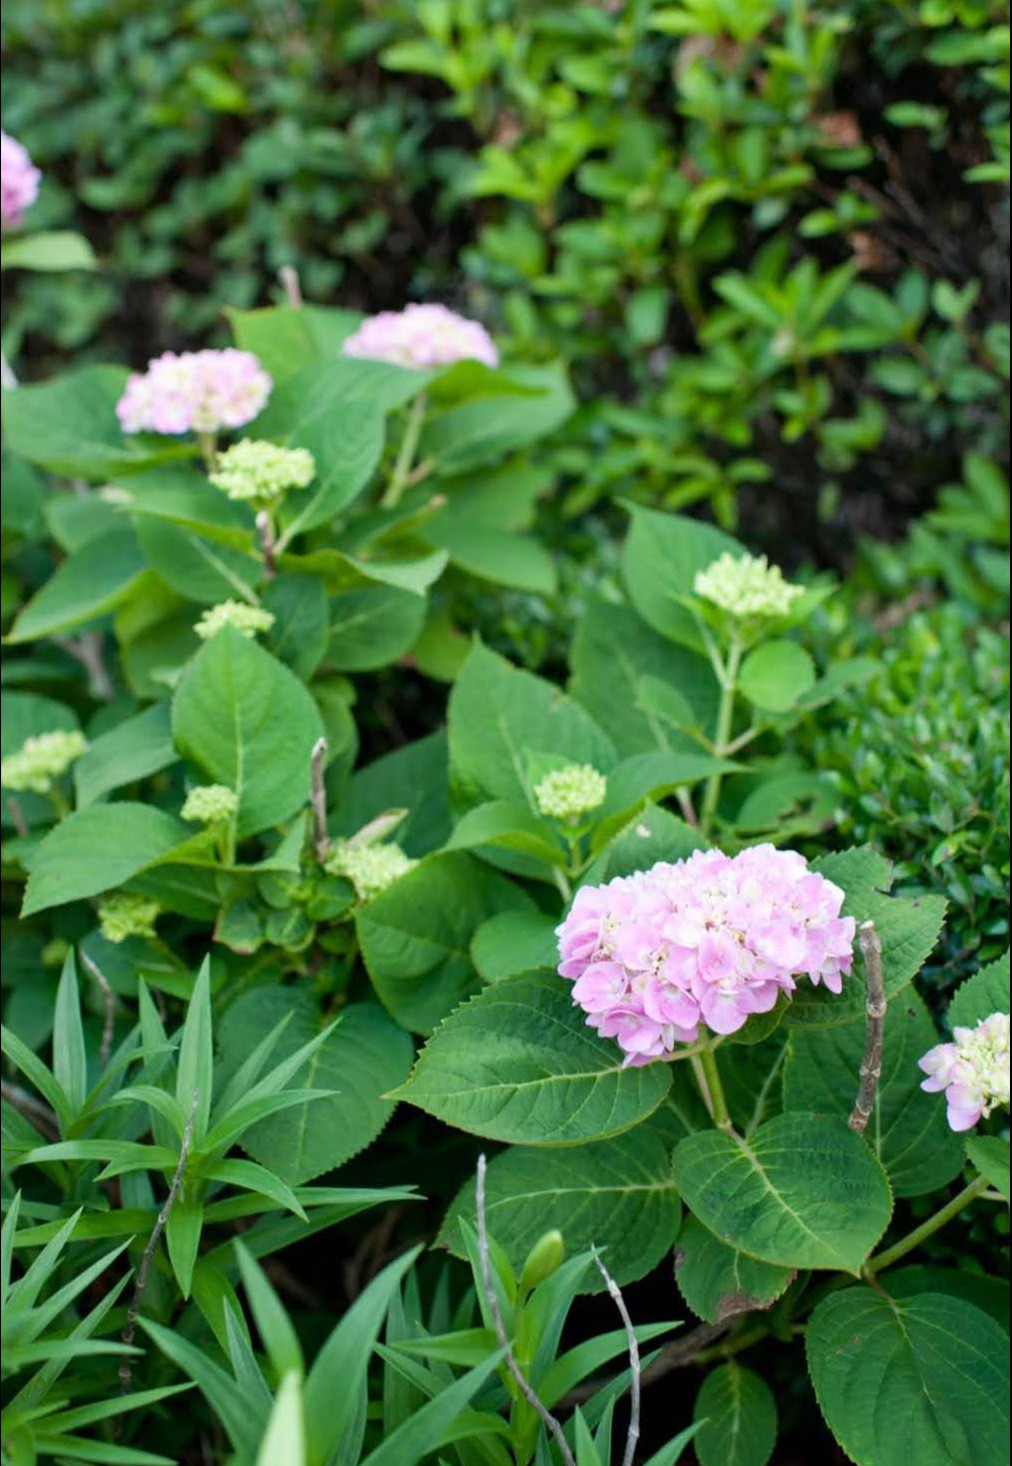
(706, 941)
(421, 337)
(196, 391)
(19, 181)
(973, 1070)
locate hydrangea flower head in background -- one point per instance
(973, 1071)
(707, 941)
(19, 181)
(41, 760)
(194, 391)
(421, 337)
(210, 804)
(125, 914)
(746, 585)
(248, 620)
(257, 472)
(570, 793)
(370, 868)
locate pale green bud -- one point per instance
(124, 914)
(54, 953)
(370, 868)
(210, 804)
(248, 620)
(568, 794)
(41, 760)
(746, 585)
(259, 472)
(544, 1257)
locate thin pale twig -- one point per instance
(109, 999)
(34, 1110)
(875, 1008)
(161, 1221)
(318, 796)
(288, 276)
(17, 815)
(523, 1384)
(633, 1433)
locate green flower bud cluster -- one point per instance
(746, 585)
(568, 794)
(249, 620)
(370, 868)
(210, 804)
(40, 760)
(124, 914)
(260, 473)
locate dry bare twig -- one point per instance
(109, 999)
(161, 1221)
(633, 1433)
(318, 797)
(523, 1384)
(875, 1008)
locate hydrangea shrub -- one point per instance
(600, 926)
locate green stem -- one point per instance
(715, 1090)
(734, 1346)
(406, 455)
(562, 881)
(728, 675)
(917, 1236)
(208, 449)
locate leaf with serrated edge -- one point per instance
(718, 1282)
(803, 1192)
(518, 1063)
(616, 1194)
(922, 1378)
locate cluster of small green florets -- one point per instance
(746, 585)
(210, 804)
(248, 620)
(124, 914)
(260, 473)
(370, 868)
(568, 794)
(40, 760)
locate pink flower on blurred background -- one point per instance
(707, 941)
(420, 337)
(196, 391)
(973, 1070)
(19, 181)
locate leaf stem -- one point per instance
(727, 673)
(938, 1219)
(208, 445)
(401, 475)
(714, 1090)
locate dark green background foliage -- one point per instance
(729, 237)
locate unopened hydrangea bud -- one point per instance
(746, 585)
(370, 868)
(568, 794)
(54, 953)
(260, 473)
(210, 804)
(973, 1070)
(41, 760)
(19, 181)
(420, 337)
(124, 914)
(709, 940)
(543, 1259)
(195, 391)
(248, 620)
